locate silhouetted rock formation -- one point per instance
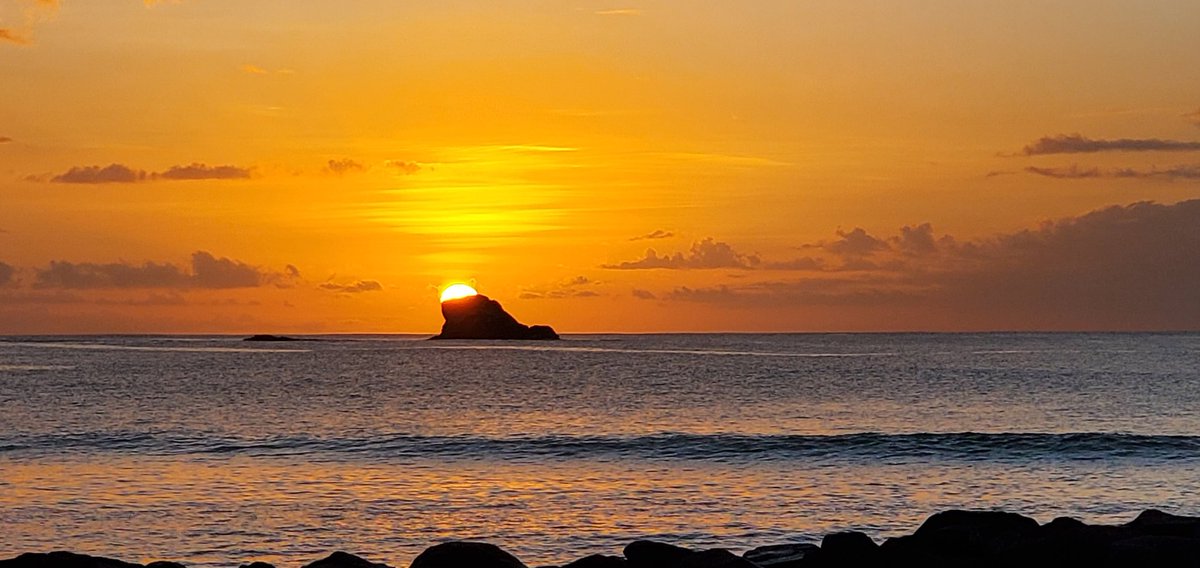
(265, 337)
(343, 560)
(952, 538)
(72, 560)
(466, 554)
(480, 317)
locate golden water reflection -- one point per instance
(288, 511)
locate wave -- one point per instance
(860, 447)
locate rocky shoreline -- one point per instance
(950, 538)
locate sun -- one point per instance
(456, 291)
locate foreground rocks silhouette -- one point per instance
(480, 317)
(951, 538)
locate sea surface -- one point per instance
(213, 451)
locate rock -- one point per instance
(63, 560)
(462, 554)
(257, 565)
(1155, 550)
(598, 561)
(650, 554)
(480, 317)
(783, 555)
(848, 548)
(973, 534)
(715, 558)
(1158, 523)
(343, 560)
(165, 564)
(264, 337)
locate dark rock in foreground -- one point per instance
(343, 560)
(265, 337)
(72, 560)
(466, 555)
(480, 317)
(952, 538)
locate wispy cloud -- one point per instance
(357, 287)
(5, 139)
(120, 173)
(704, 254)
(619, 12)
(655, 234)
(1180, 172)
(33, 12)
(1076, 144)
(1193, 117)
(576, 287)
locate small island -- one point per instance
(476, 316)
(266, 337)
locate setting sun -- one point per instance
(456, 291)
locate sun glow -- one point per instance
(456, 291)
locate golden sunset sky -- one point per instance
(313, 166)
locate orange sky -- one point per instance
(303, 166)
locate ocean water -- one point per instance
(212, 451)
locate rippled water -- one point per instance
(214, 451)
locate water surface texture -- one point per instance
(213, 451)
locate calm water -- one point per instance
(213, 451)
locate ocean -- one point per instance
(213, 451)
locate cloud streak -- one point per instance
(205, 272)
(654, 235)
(1077, 144)
(1180, 172)
(120, 173)
(358, 287)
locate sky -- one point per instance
(302, 166)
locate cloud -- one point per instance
(197, 171)
(576, 287)
(1076, 144)
(1121, 267)
(354, 287)
(112, 173)
(704, 254)
(1193, 117)
(33, 12)
(655, 234)
(643, 294)
(1179, 172)
(855, 243)
(5, 139)
(251, 69)
(7, 273)
(619, 12)
(1072, 172)
(406, 168)
(120, 173)
(802, 263)
(344, 166)
(11, 36)
(206, 272)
